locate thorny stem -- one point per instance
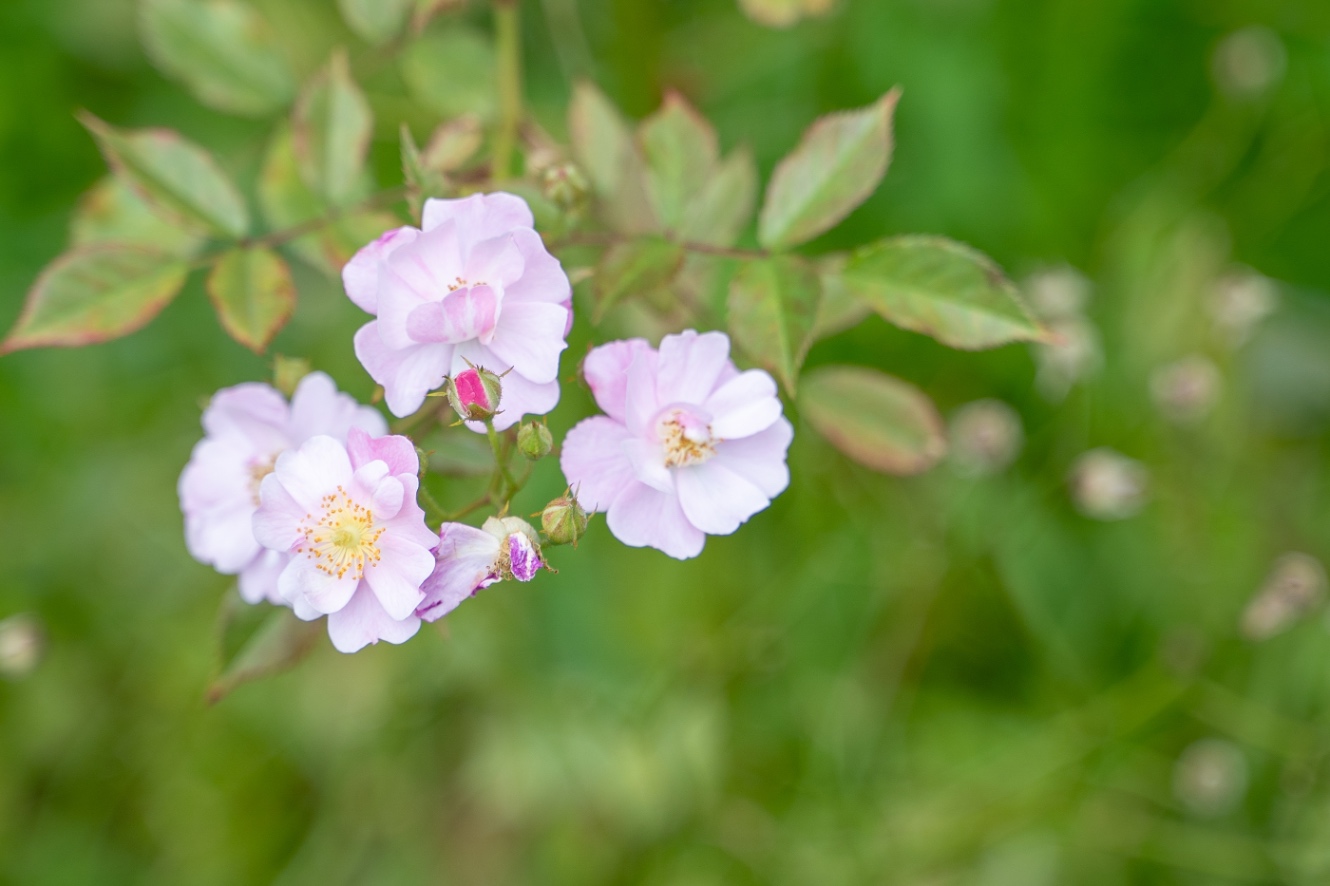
(508, 37)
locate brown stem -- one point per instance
(611, 239)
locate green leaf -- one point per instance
(453, 144)
(112, 213)
(637, 266)
(878, 420)
(332, 126)
(724, 207)
(222, 50)
(837, 165)
(257, 641)
(94, 294)
(940, 288)
(452, 73)
(254, 295)
(174, 175)
(604, 147)
(772, 310)
(840, 308)
(680, 150)
(421, 181)
(376, 21)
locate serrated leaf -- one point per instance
(331, 127)
(222, 50)
(772, 311)
(175, 175)
(376, 21)
(256, 642)
(941, 288)
(452, 73)
(724, 206)
(453, 143)
(604, 147)
(879, 421)
(254, 295)
(94, 294)
(680, 150)
(840, 308)
(839, 162)
(636, 266)
(112, 213)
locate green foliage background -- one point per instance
(933, 680)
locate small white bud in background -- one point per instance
(1240, 300)
(1186, 390)
(1073, 355)
(1247, 63)
(986, 437)
(1058, 293)
(1210, 777)
(21, 645)
(1107, 485)
(1295, 586)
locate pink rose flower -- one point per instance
(469, 559)
(247, 427)
(357, 546)
(474, 284)
(688, 447)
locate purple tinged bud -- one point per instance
(523, 557)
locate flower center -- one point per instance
(686, 437)
(344, 539)
(257, 471)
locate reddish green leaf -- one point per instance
(772, 311)
(680, 150)
(724, 206)
(452, 72)
(112, 213)
(94, 294)
(840, 308)
(222, 50)
(837, 165)
(638, 266)
(376, 21)
(878, 420)
(604, 147)
(254, 295)
(332, 126)
(940, 288)
(174, 175)
(453, 143)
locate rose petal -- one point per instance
(644, 517)
(364, 621)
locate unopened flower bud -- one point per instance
(1210, 777)
(565, 186)
(534, 440)
(1247, 63)
(1185, 391)
(985, 437)
(1293, 588)
(1058, 293)
(519, 548)
(474, 394)
(563, 520)
(21, 643)
(287, 373)
(1107, 485)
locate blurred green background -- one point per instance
(946, 679)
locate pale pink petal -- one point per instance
(595, 462)
(495, 262)
(222, 537)
(407, 375)
(360, 275)
(363, 621)
(642, 406)
(465, 559)
(409, 523)
(397, 576)
(276, 523)
(606, 371)
(319, 466)
(396, 451)
(465, 314)
(643, 517)
(218, 474)
(715, 499)
(760, 459)
(317, 407)
(648, 460)
(543, 278)
(480, 216)
(424, 271)
(689, 365)
(258, 580)
(744, 405)
(302, 580)
(529, 338)
(256, 412)
(386, 495)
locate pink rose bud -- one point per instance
(474, 394)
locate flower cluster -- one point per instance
(315, 506)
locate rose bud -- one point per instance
(565, 186)
(534, 440)
(474, 394)
(563, 520)
(21, 645)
